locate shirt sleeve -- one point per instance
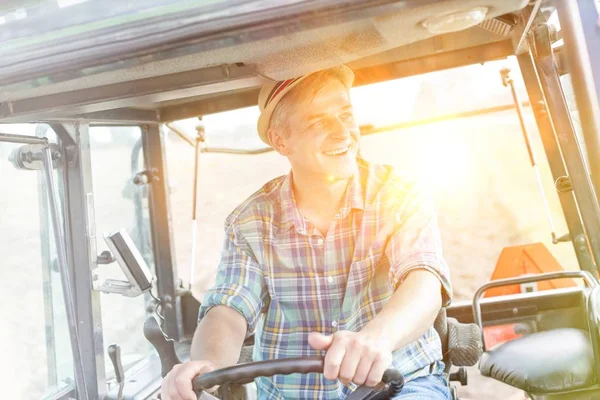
(239, 284)
(415, 242)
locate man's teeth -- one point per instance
(336, 152)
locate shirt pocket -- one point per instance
(295, 288)
(368, 290)
(373, 269)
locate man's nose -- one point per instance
(340, 129)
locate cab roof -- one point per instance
(162, 60)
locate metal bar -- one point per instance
(532, 16)
(367, 130)
(65, 394)
(582, 78)
(51, 360)
(119, 116)
(221, 150)
(210, 105)
(508, 81)
(10, 138)
(67, 287)
(160, 221)
(197, 151)
(555, 161)
(179, 133)
(585, 275)
(589, 13)
(142, 231)
(501, 308)
(567, 139)
(81, 245)
(139, 92)
(364, 76)
(206, 82)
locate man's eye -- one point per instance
(347, 115)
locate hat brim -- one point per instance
(264, 120)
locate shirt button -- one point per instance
(334, 324)
(320, 241)
(330, 279)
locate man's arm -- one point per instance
(410, 312)
(219, 337)
(229, 312)
(363, 357)
(216, 344)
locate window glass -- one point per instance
(117, 155)
(225, 180)
(455, 130)
(34, 340)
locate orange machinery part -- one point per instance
(529, 259)
(516, 261)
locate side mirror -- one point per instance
(133, 265)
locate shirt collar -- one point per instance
(354, 195)
(291, 216)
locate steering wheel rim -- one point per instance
(245, 373)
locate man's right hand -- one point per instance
(177, 385)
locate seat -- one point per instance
(556, 361)
(461, 343)
(560, 363)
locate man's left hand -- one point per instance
(356, 357)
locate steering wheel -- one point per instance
(246, 373)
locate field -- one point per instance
(485, 190)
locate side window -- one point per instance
(569, 93)
(226, 178)
(471, 152)
(34, 342)
(116, 154)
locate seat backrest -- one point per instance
(441, 326)
(461, 343)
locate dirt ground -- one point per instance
(485, 191)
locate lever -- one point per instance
(114, 352)
(460, 376)
(164, 347)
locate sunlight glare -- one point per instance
(443, 162)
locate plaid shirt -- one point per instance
(288, 280)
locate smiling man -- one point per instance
(340, 258)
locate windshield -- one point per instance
(468, 147)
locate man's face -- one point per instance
(322, 137)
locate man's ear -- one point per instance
(277, 140)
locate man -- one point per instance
(340, 258)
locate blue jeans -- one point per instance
(425, 388)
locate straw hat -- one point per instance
(271, 94)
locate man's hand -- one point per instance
(353, 356)
(177, 385)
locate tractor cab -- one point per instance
(128, 133)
